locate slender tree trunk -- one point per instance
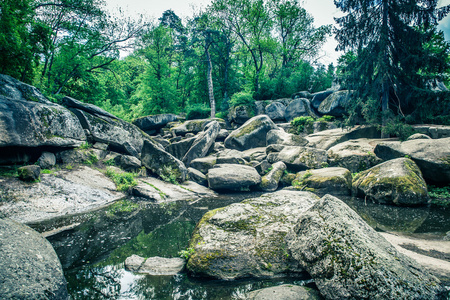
(212, 101)
(385, 84)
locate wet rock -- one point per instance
(334, 181)
(47, 160)
(202, 143)
(398, 181)
(154, 122)
(155, 265)
(284, 292)
(232, 177)
(299, 158)
(29, 173)
(349, 260)
(277, 136)
(30, 268)
(329, 138)
(355, 155)
(334, 104)
(432, 156)
(247, 239)
(250, 135)
(269, 182)
(275, 111)
(297, 108)
(162, 163)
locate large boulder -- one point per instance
(299, 158)
(232, 177)
(275, 111)
(398, 181)
(202, 143)
(15, 89)
(195, 126)
(156, 266)
(250, 135)
(355, 155)
(30, 267)
(155, 122)
(279, 136)
(335, 104)
(204, 164)
(297, 108)
(240, 114)
(432, 156)
(349, 260)
(180, 148)
(269, 182)
(284, 292)
(247, 239)
(317, 98)
(162, 163)
(335, 181)
(89, 108)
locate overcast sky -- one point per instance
(323, 12)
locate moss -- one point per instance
(200, 262)
(121, 206)
(196, 237)
(249, 128)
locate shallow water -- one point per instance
(93, 251)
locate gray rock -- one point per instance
(195, 126)
(299, 158)
(162, 163)
(89, 108)
(15, 89)
(432, 156)
(398, 181)
(349, 260)
(434, 131)
(329, 138)
(30, 267)
(202, 143)
(127, 162)
(232, 177)
(240, 114)
(29, 173)
(223, 133)
(47, 160)
(230, 160)
(297, 108)
(279, 136)
(323, 125)
(197, 176)
(250, 135)
(334, 104)
(418, 136)
(318, 98)
(302, 94)
(262, 167)
(247, 239)
(269, 182)
(162, 141)
(154, 122)
(276, 111)
(180, 148)
(155, 265)
(80, 156)
(235, 153)
(354, 155)
(255, 154)
(204, 164)
(334, 181)
(284, 292)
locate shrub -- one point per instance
(300, 123)
(242, 98)
(124, 181)
(197, 112)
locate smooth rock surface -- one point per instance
(284, 292)
(334, 181)
(279, 136)
(156, 266)
(299, 158)
(232, 177)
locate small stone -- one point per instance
(29, 173)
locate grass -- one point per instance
(124, 181)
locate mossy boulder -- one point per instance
(432, 156)
(29, 173)
(299, 158)
(247, 239)
(279, 136)
(269, 182)
(297, 108)
(348, 259)
(335, 104)
(398, 181)
(334, 181)
(240, 114)
(250, 135)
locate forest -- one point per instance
(231, 53)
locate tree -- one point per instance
(388, 38)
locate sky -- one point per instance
(323, 12)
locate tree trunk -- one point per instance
(212, 101)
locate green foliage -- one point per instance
(170, 174)
(92, 159)
(242, 98)
(124, 181)
(197, 112)
(440, 196)
(9, 171)
(326, 118)
(300, 123)
(120, 207)
(186, 254)
(395, 127)
(85, 146)
(222, 115)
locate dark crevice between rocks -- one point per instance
(24, 155)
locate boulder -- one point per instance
(195, 126)
(127, 162)
(317, 98)
(197, 176)
(275, 111)
(299, 158)
(89, 108)
(349, 260)
(434, 131)
(236, 153)
(263, 167)
(334, 181)
(398, 181)
(329, 138)
(432, 156)
(302, 94)
(297, 108)
(284, 292)
(354, 155)
(30, 267)
(246, 239)
(202, 143)
(250, 135)
(155, 265)
(255, 154)
(240, 114)
(162, 163)
(269, 182)
(29, 173)
(279, 136)
(15, 89)
(180, 148)
(154, 122)
(335, 104)
(121, 136)
(47, 160)
(204, 164)
(418, 136)
(231, 160)
(80, 156)
(223, 133)
(232, 177)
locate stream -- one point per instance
(93, 246)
